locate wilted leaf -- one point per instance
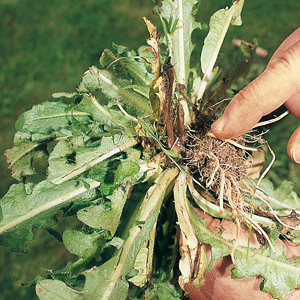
(193, 258)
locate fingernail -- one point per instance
(296, 153)
(219, 125)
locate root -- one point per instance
(220, 164)
(271, 121)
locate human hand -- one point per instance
(278, 84)
(218, 282)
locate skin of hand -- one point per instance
(278, 84)
(218, 282)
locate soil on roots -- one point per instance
(216, 164)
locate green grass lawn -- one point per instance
(45, 46)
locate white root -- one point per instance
(271, 121)
(215, 169)
(268, 168)
(247, 148)
(222, 186)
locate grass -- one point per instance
(45, 46)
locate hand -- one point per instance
(278, 84)
(218, 283)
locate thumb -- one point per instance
(278, 83)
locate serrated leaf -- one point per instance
(126, 169)
(113, 118)
(22, 211)
(287, 199)
(113, 273)
(127, 63)
(103, 275)
(64, 95)
(218, 27)
(103, 217)
(108, 218)
(162, 290)
(54, 290)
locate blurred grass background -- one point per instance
(45, 46)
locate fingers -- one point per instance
(293, 147)
(278, 83)
(288, 42)
(293, 105)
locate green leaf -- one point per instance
(84, 158)
(23, 209)
(95, 80)
(114, 272)
(54, 290)
(127, 63)
(103, 275)
(126, 169)
(113, 118)
(280, 275)
(219, 24)
(286, 197)
(48, 117)
(81, 244)
(180, 14)
(107, 217)
(21, 159)
(162, 290)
